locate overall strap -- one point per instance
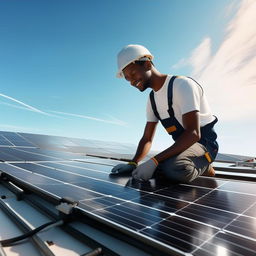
(170, 93)
(153, 103)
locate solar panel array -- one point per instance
(206, 217)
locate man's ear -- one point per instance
(147, 65)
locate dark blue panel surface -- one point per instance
(207, 215)
(183, 192)
(207, 182)
(99, 203)
(243, 225)
(97, 185)
(26, 176)
(86, 170)
(109, 189)
(228, 201)
(4, 142)
(137, 216)
(66, 190)
(240, 187)
(48, 141)
(160, 202)
(119, 219)
(227, 244)
(50, 172)
(16, 139)
(180, 233)
(8, 157)
(52, 154)
(96, 171)
(96, 160)
(25, 156)
(251, 211)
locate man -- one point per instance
(181, 106)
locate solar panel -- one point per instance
(209, 216)
(16, 139)
(4, 141)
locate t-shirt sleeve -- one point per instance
(150, 114)
(186, 95)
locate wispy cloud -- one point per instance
(228, 75)
(181, 63)
(201, 56)
(113, 121)
(14, 106)
(22, 104)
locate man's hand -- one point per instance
(124, 168)
(146, 170)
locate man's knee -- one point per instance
(182, 172)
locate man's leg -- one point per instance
(186, 166)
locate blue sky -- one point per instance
(58, 65)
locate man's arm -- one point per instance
(190, 136)
(142, 149)
(145, 142)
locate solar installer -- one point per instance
(180, 104)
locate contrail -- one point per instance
(25, 106)
(117, 122)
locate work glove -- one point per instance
(146, 170)
(124, 168)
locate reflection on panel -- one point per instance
(228, 201)
(16, 139)
(207, 215)
(244, 226)
(240, 187)
(227, 244)
(180, 233)
(186, 193)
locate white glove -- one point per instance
(124, 168)
(146, 170)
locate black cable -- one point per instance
(8, 242)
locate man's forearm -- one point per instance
(142, 150)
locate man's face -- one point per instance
(138, 76)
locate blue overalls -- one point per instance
(175, 129)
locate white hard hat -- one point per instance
(129, 54)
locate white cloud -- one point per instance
(228, 75)
(200, 57)
(181, 63)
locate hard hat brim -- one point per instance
(120, 74)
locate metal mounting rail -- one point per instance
(68, 228)
(25, 228)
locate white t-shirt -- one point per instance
(187, 96)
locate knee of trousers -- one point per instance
(182, 170)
